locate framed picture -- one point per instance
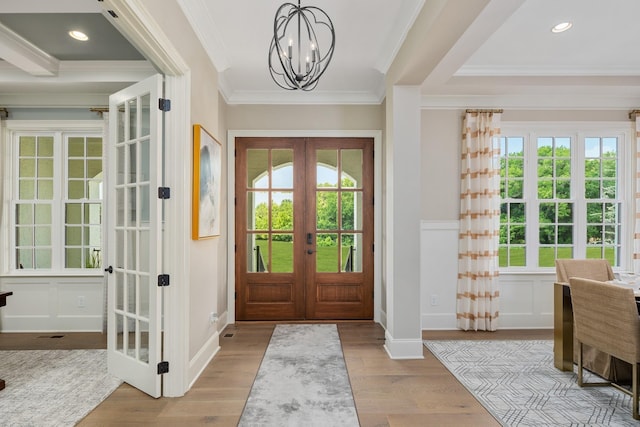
(207, 177)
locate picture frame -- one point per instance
(207, 184)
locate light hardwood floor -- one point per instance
(386, 392)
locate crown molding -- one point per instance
(198, 13)
(532, 101)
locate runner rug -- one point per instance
(518, 384)
(302, 381)
(52, 387)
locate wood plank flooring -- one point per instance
(386, 392)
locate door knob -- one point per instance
(109, 269)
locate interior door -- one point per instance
(134, 235)
(304, 228)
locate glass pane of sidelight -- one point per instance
(282, 210)
(257, 168)
(282, 253)
(326, 210)
(282, 169)
(257, 210)
(257, 253)
(350, 253)
(327, 168)
(327, 254)
(120, 165)
(351, 176)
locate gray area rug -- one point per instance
(52, 387)
(518, 384)
(302, 381)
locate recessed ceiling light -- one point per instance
(79, 35)
(561, 27)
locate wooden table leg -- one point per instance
(562, 327)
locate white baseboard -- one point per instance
(403, 348)
(203, 357)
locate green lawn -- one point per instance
(282, 258)
(548, 257)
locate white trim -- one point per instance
(199, 363)
(377, 213)
(403, 348)
(138, 25)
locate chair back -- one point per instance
(606, 318)
(596, 269)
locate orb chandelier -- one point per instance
(297, 57)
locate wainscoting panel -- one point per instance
(46, 304)
(526, 300)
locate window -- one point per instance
(562, 195)
(57, 200)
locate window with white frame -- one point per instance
(563, 194)
(57, 200)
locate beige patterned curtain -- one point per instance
(478, 293)
(635, 116)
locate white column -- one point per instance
(403, 339)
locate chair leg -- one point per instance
(580, 382)
(634, 391)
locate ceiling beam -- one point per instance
(26, 56)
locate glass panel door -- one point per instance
(134, 299)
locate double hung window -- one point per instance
(56, 200)
(564, 192)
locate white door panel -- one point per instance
(134, 235)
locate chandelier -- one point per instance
(296, 60)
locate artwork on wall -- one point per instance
(207, 176)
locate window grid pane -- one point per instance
(512, 252)
(83, 205)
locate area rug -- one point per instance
(52, 387)
(302, 381)
(518, 384)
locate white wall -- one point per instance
(53, 304)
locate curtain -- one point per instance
(477, 298)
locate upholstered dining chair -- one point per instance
(598, 362)
(596, 269)
(605, 318)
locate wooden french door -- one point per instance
(304, 228)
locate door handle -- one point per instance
(109, 269)
(309, 251)
(309, 239)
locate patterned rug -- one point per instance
(302, 381)
(52, 387)
(518, 384)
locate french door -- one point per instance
(304, 228)
(134, 235)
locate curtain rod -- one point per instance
(496, 110)
(633, 113)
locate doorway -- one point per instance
(304, 215)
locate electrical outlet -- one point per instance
(213, 317)
(81, 301)
(435, 300)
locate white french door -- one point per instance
(134, 236)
